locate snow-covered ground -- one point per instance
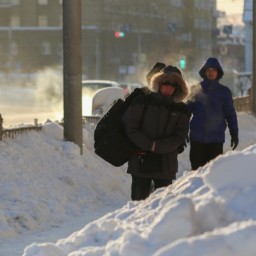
(56, 202)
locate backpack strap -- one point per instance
(145, 107)
(166, 123)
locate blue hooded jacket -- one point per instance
(211, 105)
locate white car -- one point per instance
(104, 98)
(89, 87)
(95, 85)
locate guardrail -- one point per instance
(91, 119)
(241, 104)
(12, 132)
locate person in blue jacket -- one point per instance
(211, 105)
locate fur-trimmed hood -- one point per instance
(156, 68)
(180, 94)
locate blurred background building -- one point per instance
(247, 18)
(121, 39)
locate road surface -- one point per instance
(23, 106)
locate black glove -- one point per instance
(234, 141)
(181, 147)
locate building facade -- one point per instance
(247, 18)
(120, 38)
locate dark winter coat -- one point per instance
(212, 109)
(155, 117)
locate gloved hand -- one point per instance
(234, 141)
(181, 147)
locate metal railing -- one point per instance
(12, 132)
(91, 119)
(241, 104)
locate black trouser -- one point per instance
(142, 187)
(201, 153)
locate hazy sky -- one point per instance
(230, 6)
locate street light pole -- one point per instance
(72, 71)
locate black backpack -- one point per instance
(110, 140)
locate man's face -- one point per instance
(211, 73)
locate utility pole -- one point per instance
(253, 97)
(72, 72)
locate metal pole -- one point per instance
(253, 96)
(139, 45)
(72, 71)
(97, 54)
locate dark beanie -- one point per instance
(171, 69)
(156, 68)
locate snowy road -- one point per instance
(15, 246)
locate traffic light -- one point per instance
(183, 62)
(119, 34)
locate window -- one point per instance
(14, 48)
(45, 48)
(177, 3)
(15, 2)
(43, 2)
(61, 20)
(60, 49)
(42, 21)
(15, 21)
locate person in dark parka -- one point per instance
(157, 123)
(211, 105)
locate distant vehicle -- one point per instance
(129, 87)
(95, 85)
(89, 87)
